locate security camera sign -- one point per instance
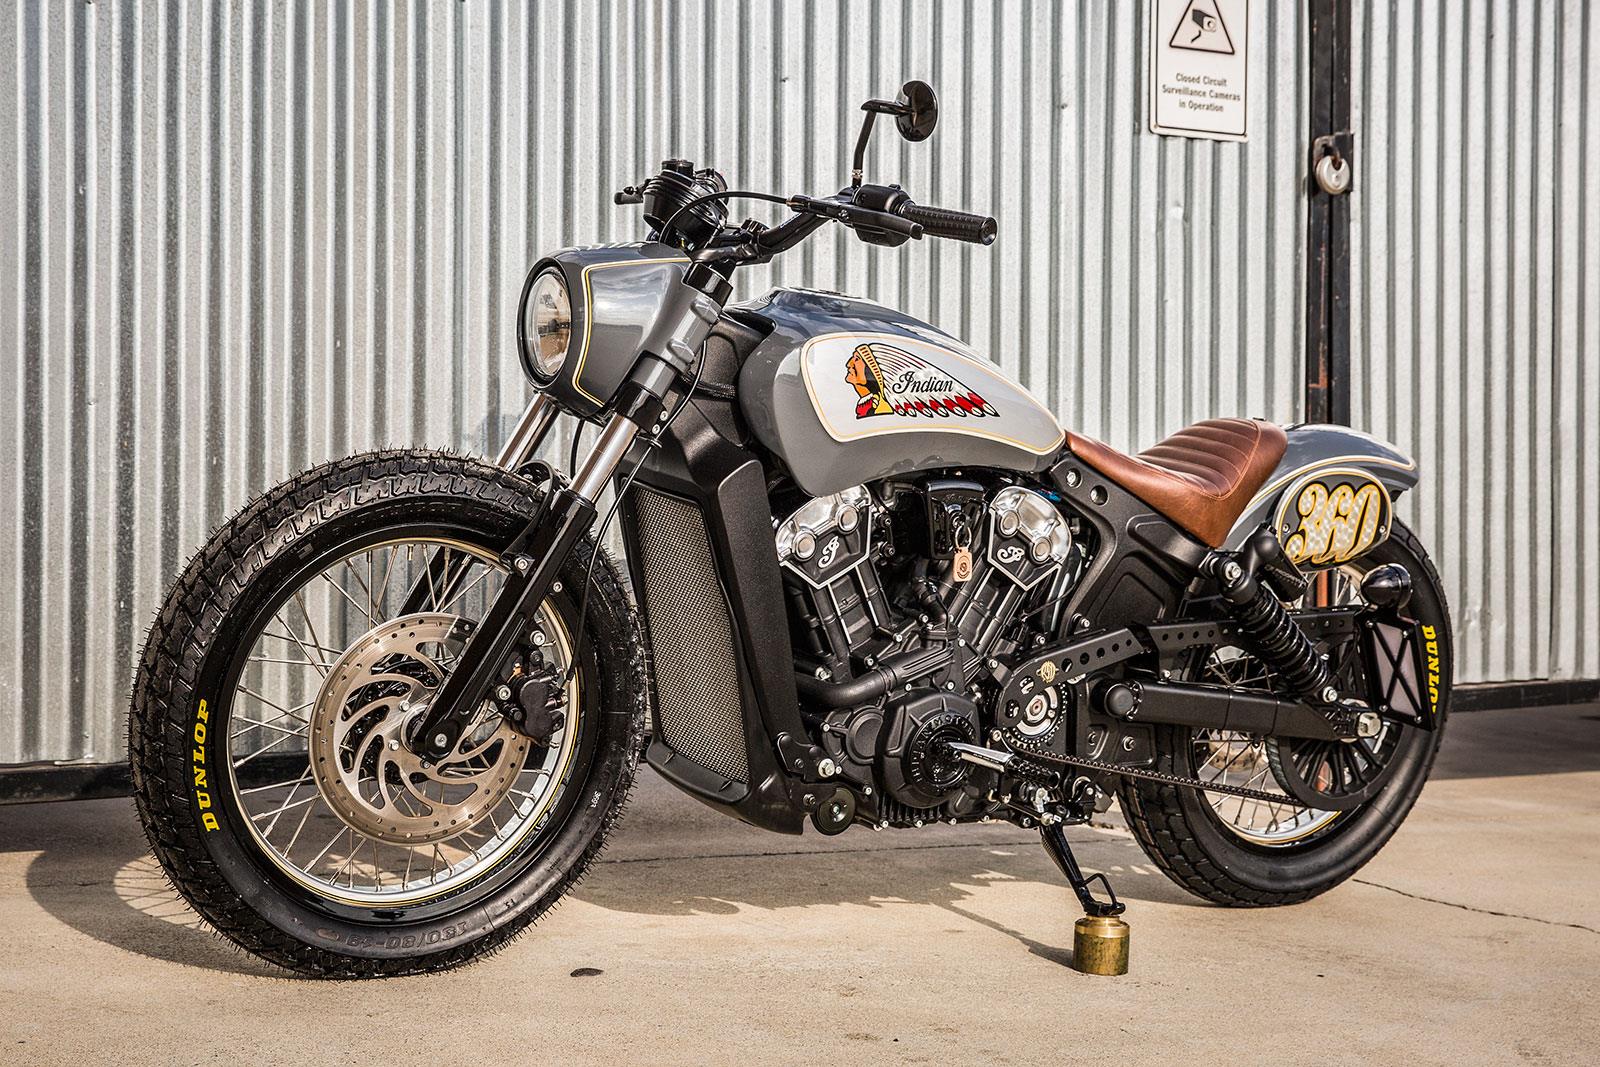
(1199, 68)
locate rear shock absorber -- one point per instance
(1273, 634)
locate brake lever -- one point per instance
(853, 215)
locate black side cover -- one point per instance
(716, 576)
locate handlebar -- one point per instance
(688, 208)
(942, 222)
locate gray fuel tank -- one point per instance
(848, 391)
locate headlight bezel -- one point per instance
(540, 368)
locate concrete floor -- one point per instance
(1473, 938)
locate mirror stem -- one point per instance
(872, 108)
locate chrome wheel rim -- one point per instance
(332, 679)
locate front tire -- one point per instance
(1194, 843)
(204, 728)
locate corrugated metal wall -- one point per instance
(241, 238)
(1476, 309)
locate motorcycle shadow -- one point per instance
(949, 868)
(92, 871)
(95, 874)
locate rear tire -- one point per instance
(188, 791)
(1183, 834)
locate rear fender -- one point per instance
(1331, 497)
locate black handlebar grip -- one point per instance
(955, 225)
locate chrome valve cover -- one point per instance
(1028, 538)
(827, 537)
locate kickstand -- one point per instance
(1055, 843)
(1099, 939)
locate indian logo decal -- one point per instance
(892, 381)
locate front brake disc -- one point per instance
(360, 759)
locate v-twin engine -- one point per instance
(904, 601)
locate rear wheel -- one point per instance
(1246, 853)
(279, 688)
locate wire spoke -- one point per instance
(275, 812)
(262, 751)
(283, 712)
(383, 590)
(342, 591)
(248, 726)
(310, 626)
(294, 637)
(304, 777)
(464, 591)
(290, 662)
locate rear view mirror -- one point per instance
(918, 111)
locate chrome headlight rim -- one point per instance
(541, 369)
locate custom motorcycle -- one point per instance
(392, 709)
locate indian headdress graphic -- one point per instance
(891, 380)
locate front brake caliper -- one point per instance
(538, 698)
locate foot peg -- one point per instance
(1099, 939)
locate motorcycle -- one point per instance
(390, 712)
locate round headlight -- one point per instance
(548, 324)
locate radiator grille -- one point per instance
(699, 712)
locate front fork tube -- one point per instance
(447, 571)
(537, 555)
(533, 563)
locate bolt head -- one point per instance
(523, 563)
(503, 693)
(394, 744)
(1127, 744)
(440, 740)
(1330, 694)
(827, 768)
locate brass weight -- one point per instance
(1100, 945)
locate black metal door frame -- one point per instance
(1327, 395)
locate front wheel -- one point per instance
(269, 727)
(1253, 853)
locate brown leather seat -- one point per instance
(1202, 477)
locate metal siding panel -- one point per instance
(256, 236)
(1474, 311)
